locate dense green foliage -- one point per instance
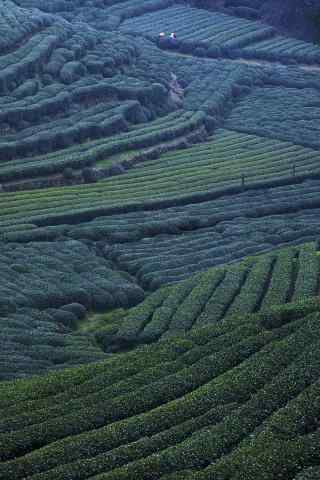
(184, 403)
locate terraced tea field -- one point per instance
(279, 119)
(217, 34)
(90, 152)
(159, 242)
(215, 167)
(253, 285)
(190, 407)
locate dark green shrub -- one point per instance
(30, 87)
(67, 318)
(68, 173)
(95, 66)
(90, 175)
(210, 123)
(21, 267)
(106, 336)
(120, 298)
(72, 71)
(76, 308)
(103, 301)
(53, 68)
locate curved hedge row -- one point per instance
(166, 132)
(31, 57)
(102, 120)
(175, 407)
(33, 107)
(166, 259)
(257, 283)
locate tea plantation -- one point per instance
(159, 242)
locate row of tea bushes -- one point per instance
(118, 149)
(95, 54)
(56, 52)
(291, 77)
(283, 49)
(289, 201)
(257, 283)
(52, 81)
(176, 406)
(170, 244)
(173, 255)
(228, 155)
(197, 27)
(216, 93)
(114, 165)
(102, 120)
(133, 226)
(29, 58)
(58, 106)
(271, 111)
(52, 100)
